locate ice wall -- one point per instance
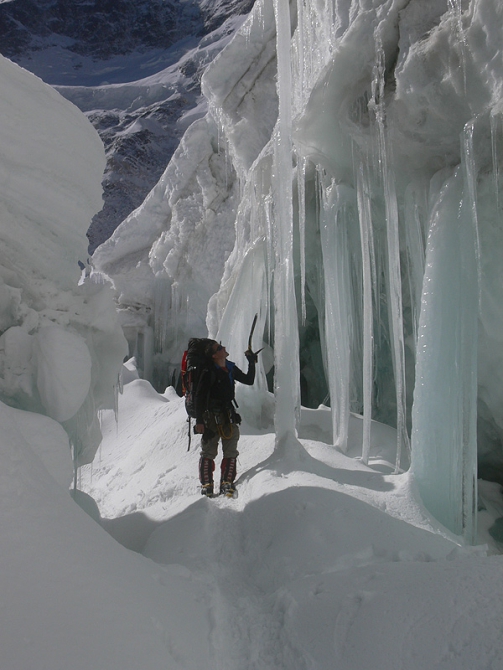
(61, 347)
(167, 259)
(371, 197)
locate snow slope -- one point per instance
(72, 597)
(142, 120)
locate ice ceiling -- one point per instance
(346, 185)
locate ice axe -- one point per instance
(249, 350)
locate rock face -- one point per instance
(133, 67)
(99, 29)
(105, 28)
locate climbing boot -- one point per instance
(206, 467)
(228, 470)
(207, 490)
(227, 489)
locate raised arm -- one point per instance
(249, 377)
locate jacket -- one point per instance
(216, 388)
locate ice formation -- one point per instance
(345, 184)
(61, 346)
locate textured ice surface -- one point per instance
(60, 344)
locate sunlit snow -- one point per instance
(331, 565)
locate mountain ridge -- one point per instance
(102, 56)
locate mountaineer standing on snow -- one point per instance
(216, 417)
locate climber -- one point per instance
(216, 417)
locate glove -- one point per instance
(251, 357)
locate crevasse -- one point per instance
(350, 169)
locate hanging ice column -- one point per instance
(336, 219)
(286, 337)
(368, 264)
(444, 414)
(393, 256)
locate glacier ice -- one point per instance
(63, 371)
(61, 346)
(366, 200)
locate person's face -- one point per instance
(219, 352)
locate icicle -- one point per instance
(301, 189)
(494, 151)
(268, 216)
(470, 390)
(394, 289)
(470, 177)
(459, 35)
(469, 484)
(444, 413)
(395, 298)
(286, 340)
(365, 218)
(147, 352)
(415, 244)
(334, 224)
(161, 311)
(301, 67)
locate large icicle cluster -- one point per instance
(357, 177)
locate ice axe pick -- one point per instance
(251, 335)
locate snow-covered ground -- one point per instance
(320, 562)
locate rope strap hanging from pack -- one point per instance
(221, 431)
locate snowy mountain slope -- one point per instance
(339, 568)
(141, 124)
(81, 42)
(157, 50)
